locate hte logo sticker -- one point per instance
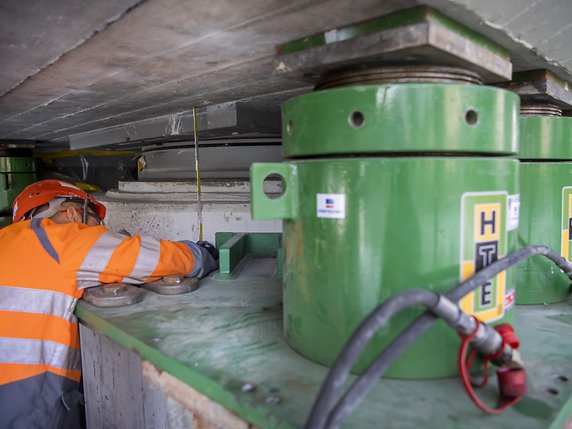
(483, 241)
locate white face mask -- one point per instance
(53, 208)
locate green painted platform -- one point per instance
(229, 332)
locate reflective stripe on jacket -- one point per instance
(44, 268)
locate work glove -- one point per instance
(204, 261)
(209, 247)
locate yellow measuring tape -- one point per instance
(198, 170)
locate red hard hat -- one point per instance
(40, 193)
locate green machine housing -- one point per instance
(17, 170)
(388, 188)
(546, 193)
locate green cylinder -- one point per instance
(546, 217)
(17, 170)
(359, 229)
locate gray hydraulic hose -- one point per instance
(501, 265)
(359, 340)
(322, 413)
(487, 341)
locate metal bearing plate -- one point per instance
(419, 35)
(541, 87)
(113, 295)
(173, 285)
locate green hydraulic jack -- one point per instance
(17, 170)
(397, 177)
(546, 183)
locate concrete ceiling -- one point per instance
(70, 67)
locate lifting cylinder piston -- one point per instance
(388, 188)
(546, 197)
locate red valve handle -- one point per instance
(511, 381)
(508, 335)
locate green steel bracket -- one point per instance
(263, 205)
(234, 247)
(417, 35)
(231, 253)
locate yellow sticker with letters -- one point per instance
(483, 241)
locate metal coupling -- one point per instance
(449, 312)
(487, 341)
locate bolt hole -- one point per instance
(561, 377)
(552, 391)
(289, 128)
(471, 117)
(274, 186)
(357, 119)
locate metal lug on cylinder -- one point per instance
(173, 285)
(113, 295)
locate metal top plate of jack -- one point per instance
(419, 35)
(541, 86)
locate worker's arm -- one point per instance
(204, 260)
(108, 257)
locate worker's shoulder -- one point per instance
(15, 228)
(71, 230)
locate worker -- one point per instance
(55, 248)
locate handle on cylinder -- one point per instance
(264, 206)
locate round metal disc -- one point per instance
(399, 74)
(113, 295)
(173, 285)
(540, 109)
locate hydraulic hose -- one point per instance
(501, 265)
(323, 415)
(355, 345)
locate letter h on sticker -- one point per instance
(487, 219)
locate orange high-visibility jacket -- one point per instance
(44, 268)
